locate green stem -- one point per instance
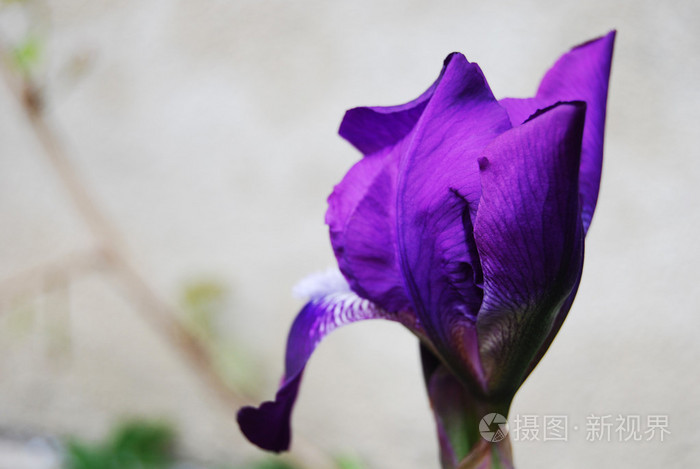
(471, 428)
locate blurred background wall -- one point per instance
(160, 219)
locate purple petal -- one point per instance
(361, 218)
(268, 426)
(362, 208)
(436, 161)
(556, 325)
(438, 191)
(529, 236)
(371, 129)
(580, 75)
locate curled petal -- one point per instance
(438, 192)
(580, 75)
(371, 129)
(529, 236)
(363, 235)
(362, 208)
(269, 426)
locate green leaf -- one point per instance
(82, 456)
(134, 445)
(149, 444)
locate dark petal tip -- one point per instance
(451, 56)
(581, 105)
(261, 426)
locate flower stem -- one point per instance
(472, 427)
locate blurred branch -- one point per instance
(111, 254)
(155, 311)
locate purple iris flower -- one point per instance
(465, 222)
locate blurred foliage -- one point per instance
(142, 444)
(134, 445)
(204, 303)
(347, 461)
(26, 54)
